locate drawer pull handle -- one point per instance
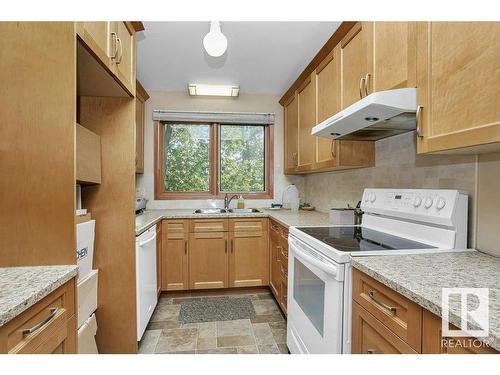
(285, 255)
(370, 351)
(381, 304)
(53, 312)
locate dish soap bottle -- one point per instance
(241, 202)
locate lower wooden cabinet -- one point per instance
(174, 257)
(52, 323)
(278, 257)
(249, 259)
(208, 260)
(370, 336)
(385, 322)
(214, 253)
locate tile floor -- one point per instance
(264, 334)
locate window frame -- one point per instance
(214, 193)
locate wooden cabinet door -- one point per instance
(274, 258)
(174, 257)
(458, 69)
(208, 260)
(392, 59)
(248, 259)
(290, 134)
(354, 67)
(139, 136)
(124, 63)
(97, 36)
(328, 103)
(306, 96)
(370, 336)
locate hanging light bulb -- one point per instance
(215, 42)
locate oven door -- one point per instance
(315, 301)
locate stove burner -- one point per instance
(356, 238)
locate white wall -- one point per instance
(183, 102)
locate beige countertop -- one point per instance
(22, 287)
(421, 278)
(286, 217)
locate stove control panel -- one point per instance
(414, 204)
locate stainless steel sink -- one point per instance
(243, 210)
(210, 211)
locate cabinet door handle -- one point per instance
(114, 42)
(185, 247)
(361, 87)
(367, 83)
(232, 245)
(333, 149)
(417, 120)
(120, 46)
(53, 312)
(225, 247)
(370, 351)
(381, 304)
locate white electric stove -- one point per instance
(395, 221)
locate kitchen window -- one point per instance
(206, 161)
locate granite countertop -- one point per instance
(22, 287)
(421, 277)
(286, 217)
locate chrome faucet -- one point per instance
(227, 201)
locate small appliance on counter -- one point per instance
(140, 204)
(291, 198)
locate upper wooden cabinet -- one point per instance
(290, 135)
(319, 96)
(113, 44)
(306, 96)
(458, 70)
(354, 64)
(392, 49)
(123, 57)
(141, 97)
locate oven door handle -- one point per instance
(328, 268)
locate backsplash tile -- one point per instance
(397, 165)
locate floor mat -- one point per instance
(212, 309)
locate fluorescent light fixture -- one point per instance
(196, 89)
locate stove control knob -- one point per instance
(373, 197)
(417, 201)
(428, 202)
(440, 203)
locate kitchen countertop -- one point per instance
(421, 277)
(286, 217)
(22, 287)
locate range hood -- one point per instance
(376, 116)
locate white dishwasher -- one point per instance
(145, 268)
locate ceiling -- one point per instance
(262, 57)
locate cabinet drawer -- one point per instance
(402, 316)
(175, 229)
(61, 341)
(370, 336)
(209, 225)
(41, 321)
(248, 224)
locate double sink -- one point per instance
(226, 211)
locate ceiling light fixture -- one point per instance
(196, 89)
(215, 42)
